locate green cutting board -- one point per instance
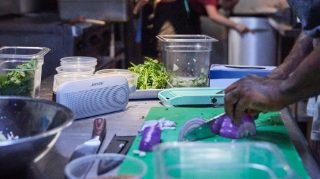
(269, 129)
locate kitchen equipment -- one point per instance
(20, 6)
(199, 132)
(187, 59)
(256, 48)
(221, 76)
(105, 165)
(62, 78)
(78, 61)
(64, 39)
(220, 160)
(35, 124)
(145, 94)
(269, 129)
(110, 10)
(21, 69)
(130, 76)
(94, 96)
(191, 96)
(120, 144)
(91, 146)
(75, 70)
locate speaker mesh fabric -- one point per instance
(95, 101)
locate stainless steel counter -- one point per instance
(127, 123)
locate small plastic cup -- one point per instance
(75, 69)
(104, 166)
(78, 60)
(131, 77)
(61, 78)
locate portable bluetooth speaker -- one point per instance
(94, 96)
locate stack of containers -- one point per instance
(74, 68)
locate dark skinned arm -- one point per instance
(305, 80)
(301, 48)
(266, 94)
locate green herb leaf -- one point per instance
(153, 74)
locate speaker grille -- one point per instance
(85, 103)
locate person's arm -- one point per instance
(220, 19)
(266, 94)
(305, 80)
(301, 48)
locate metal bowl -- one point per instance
(38, 124)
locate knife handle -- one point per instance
(99, 128)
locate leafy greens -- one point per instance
(153, 74)
(20, 81)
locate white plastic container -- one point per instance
(81, 70)
(130, 76)
(78, 60)
(187, 59)
(66, 77)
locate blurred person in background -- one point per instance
(161, 17)
(210, 9)
(170, 17)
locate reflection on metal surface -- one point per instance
(256, 48)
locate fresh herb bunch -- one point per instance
(19, 82)
(153, 74)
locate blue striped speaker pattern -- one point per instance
(92, 102)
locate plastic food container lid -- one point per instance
(78, 60)
(75, 69)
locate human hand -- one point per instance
(253, 93)
(242, 29)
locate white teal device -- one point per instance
(94, 96)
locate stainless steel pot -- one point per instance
(257, 48)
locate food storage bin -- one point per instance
(220, 160)
(131, 77)
(75, 70)
(61, 78)
(187, 59)
(20, 70)
(78, 61)
(106, 166)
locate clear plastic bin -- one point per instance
(61, 78)
(75, 70)
(106, 166)
(220, 160)
(187, 59)
(21, 69)
(78, 60)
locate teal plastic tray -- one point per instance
(192, 96)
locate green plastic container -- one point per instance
(220, 160)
